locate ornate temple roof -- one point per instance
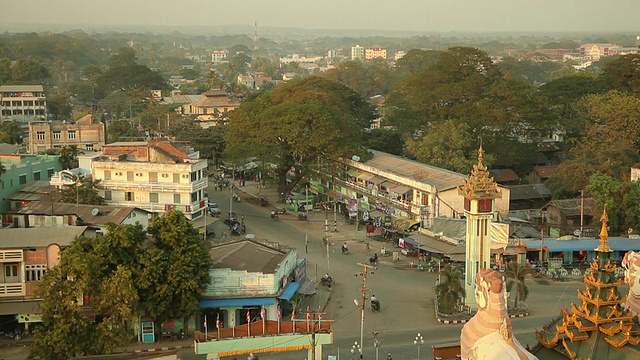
(600, 327)
(480, 184)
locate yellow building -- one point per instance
(374, 53)
(213, 104)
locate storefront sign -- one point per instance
(29, 318)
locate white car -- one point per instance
(214, 209)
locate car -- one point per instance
(214, 209)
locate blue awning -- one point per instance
(616, 244)
(230, 302)
(411, 241)
(288, 292)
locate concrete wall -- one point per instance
(16, 165)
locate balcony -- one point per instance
(11, 256)
(380, 196)
(11, 289)
(155, 187)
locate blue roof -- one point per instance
(230, 302)
(616, 244)
(412, 241)
(288, 292)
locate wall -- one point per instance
(17, 165)
(227, 283)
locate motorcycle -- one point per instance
(274, 215)
(374, 259)
(281, 211)
(375, 305)
(236, 197)
(235, 230)
(345, 250)
(327, 281)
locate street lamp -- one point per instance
(356, 349)
(376, 344)
(543, 219)
(418, 342)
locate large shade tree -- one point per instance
(298, 124)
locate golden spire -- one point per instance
(604, 234)
(479, 185)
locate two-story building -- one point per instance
(154, 176)
(23, 103)
(86, 133)
(25, 255)
(22, 169)
(248, 275)
(213, 104)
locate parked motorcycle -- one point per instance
(281, 211)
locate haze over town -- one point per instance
(401, 15)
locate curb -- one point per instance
(164, 348)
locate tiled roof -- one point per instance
(504, 175)
(169, 149)
(571, 207)
(246, 255)
(441, 179)
(545, 172)
(39, 237)
(216, 101)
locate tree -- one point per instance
(416, 61)
(516, 276)
(450, 289)
(368, 79)
(386, 140)
(28, 70)
(297, 124)
(102, 271)
(83, 191)
(58, 106)
(69, 156)
(209, 142)
(11, 132)
(623, 73)
(174, 269)
(123, 130)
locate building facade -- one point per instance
(213, 104)
(22, 169)
(375, 53)
(154, 176)
(86, 133)
(357, 53)
(23, 103)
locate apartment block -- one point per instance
(154, 176)
(375, 53)
(86, 133)
(23, 103)
(357, 53)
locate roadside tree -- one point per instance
(450, 290)
(516, 276)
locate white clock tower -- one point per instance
(479, 192)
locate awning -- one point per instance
(411, 241)
(515, 250)
(230, 302)
(389, 184)
(19, 307)
(377, 180)
(288, 292)
(366, 176)
(399, 189)
(405, 224)
(353, 173)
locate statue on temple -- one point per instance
(488, 335)
(631, 264)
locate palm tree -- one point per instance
(69, 156)
(515, 277)
(450, 289)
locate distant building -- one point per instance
(23, 103)
(399, 55)
(331, 53)
(596, 51)
(86, 133)
(375, 53)
(219, 56)
(154, 176)
(295, 58)
(212, 104)
(357, 53)
(22, 169)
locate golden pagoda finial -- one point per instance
(604, 234)
(480, 185)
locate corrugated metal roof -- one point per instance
(106, 214)
(571, 207)
(246, 255)
(504, 175)
(441, 179)
(20, 88)
(530, 191)
(39, 237)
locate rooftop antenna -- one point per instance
(255, 38)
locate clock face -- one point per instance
(484, 205)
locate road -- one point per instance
(405, 293)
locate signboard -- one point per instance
(301, 271)
(401, 243)
(29, 318)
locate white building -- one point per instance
(219, 55)
(23, 103)
(154, 176)
(357, 52)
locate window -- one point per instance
(107, 195)
(90, 147)
(34, 272)
(22, 179)
(50, 172)
(40, 135)
(10, 271)
(128, 196)
(176, 198)
(57, 146)
(194, 196)
(107, 174)
(194, 176)
(72, 134)
(153, 197)
(176, 178)
(57, 135)
(36, 175)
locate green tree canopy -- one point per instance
(297, 123)
(83, 191)
(623, 73)
(175, 268)
(29, 70)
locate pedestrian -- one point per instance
(528, 348)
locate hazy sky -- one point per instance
(405, 15)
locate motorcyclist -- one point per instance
(375, 303)
(274, 214)
(374, 259)
(345, 249)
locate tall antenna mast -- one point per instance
(255, 38)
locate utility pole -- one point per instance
(581, 212)
(311, 316)
(364, 290)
